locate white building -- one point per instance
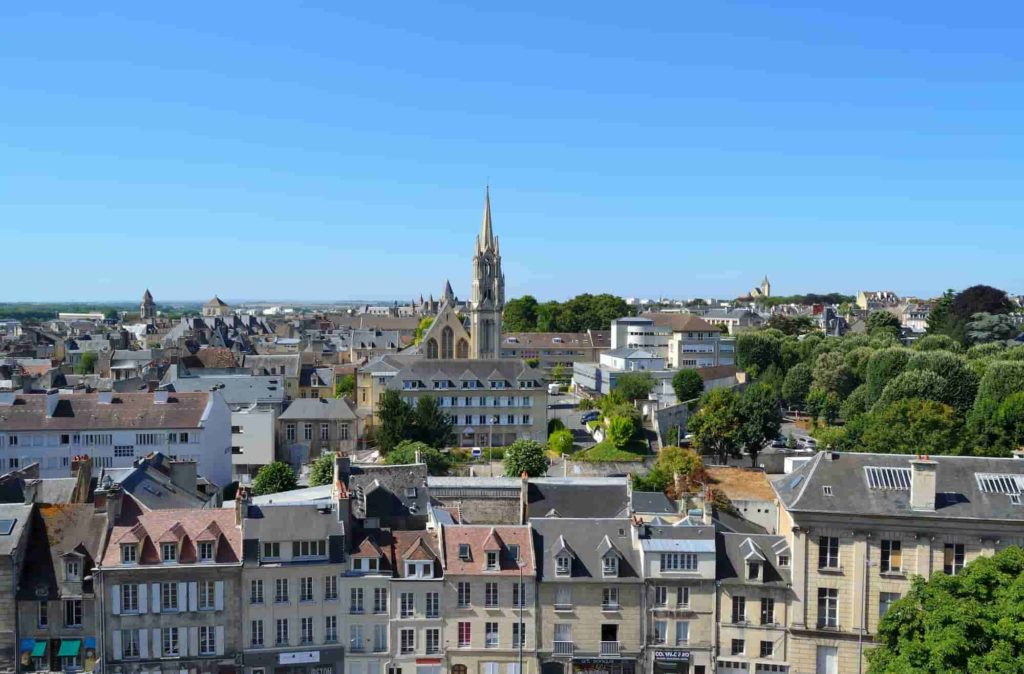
(115, 429)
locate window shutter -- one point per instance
(182, 595)
(218, 598)
(115, 602)
(193, 641)
(220, 640)
(193, 596)
(143, 597)
(143, 643)
(116, 640)
(156, 605)
(157, 645)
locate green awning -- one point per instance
(39, 650)
(69, 648)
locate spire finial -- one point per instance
(486, 232)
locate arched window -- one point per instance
(431, 348)
(447, 339)
(462, 349)
(458, 669)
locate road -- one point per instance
(563, 408)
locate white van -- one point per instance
(554, 389)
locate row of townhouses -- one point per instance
(389, 571)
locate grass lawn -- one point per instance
(605, 451)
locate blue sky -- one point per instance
(340, 150)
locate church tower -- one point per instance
(488, 296)
(766, 287)
(147, 310)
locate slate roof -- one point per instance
(733, 551)
(512, 370)
(319, 408)
(584, 537)
(83, 411)
(958, 493)
(481, 538)
(577, 497)
(367, 479)
(59, 529)
(547, 340)
(261, 364)
(652, 503)
(629, 352)
(287, 522)
(20, 514)
(148, 482)
(236, 389)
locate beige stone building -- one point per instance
(15, 529)
(489, 599)
(860, 526)
(591, 615)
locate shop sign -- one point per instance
(671, 655)
(298, 657)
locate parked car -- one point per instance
(592, 415)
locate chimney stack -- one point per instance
(922, 484)
(184, 474)
(342, 467)
(52, 398)
(242, 503)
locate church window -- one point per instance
(462, 349)
(432, 348)
(447, 341)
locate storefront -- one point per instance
(50, 655)
(603, 666)
(320, 661)
(672, 661)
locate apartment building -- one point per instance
(366, 589)
(491, 402)
(555, 349)
(753, 603)
(15, 531)
(169, 588)
(590, 596)
(313, 426)
(859, 526)
(293, 560)
(115, 429)
(678, 566)
(490, 599)
(56, 598)
(417, 617)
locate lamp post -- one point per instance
(491, 420)
(522, 602)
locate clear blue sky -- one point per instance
(340, 149)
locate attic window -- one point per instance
(464, 552)
(169, 552)
(129, 553)
(492, 561)
(513, 552)
(410, 492)
(73, 570)
(1015, 499)
(562, 565)
(753, 571)
(826, 489)
(610, 566)
(783, 561)
(206, 551)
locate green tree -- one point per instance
(856, 360)
(921, 384)
(404, 453)
(762, 419)
(422, 328)
(620, 431)
(274, 478)
(797, 385)
(86, 364)
(555, 425)
(822, 404)
(960, 382)
(856, 403)
(687, 385)
(832, 375)
(937, 343)
(431, 424)
(717, 427)
(525, 456)
(791, 325)
(984, 327)
(395, 418)
(912, 426)
(969, 622)
(883, 367)
(980, 299)
(561, 442)
(883, 323)
(559, 374)
(520, 314)
(942, 320)
(345, 386)
(671, 460)
(1002, 379)
(321, 471)
(756, 350)
(634, 385)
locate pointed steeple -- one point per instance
(486, 241)
(449, 294)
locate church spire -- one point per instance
(486, 232)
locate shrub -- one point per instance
(437, 462)
(321, 471)
(561, 442)
(525, 456)
(273, 478)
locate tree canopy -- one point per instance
(437, 462)
(969, 622)
(717, 427)
(274, 478)
(634, 385)
(687, 385)
(399, 421)
(525, 456)
(321, 471)
(579, 314)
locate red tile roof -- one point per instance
(483, 538)
(184, 526)
(83, 411)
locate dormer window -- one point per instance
(410, 492)
(513, 552)
(464, 553)
(610, 566)
(492, 560)
(129, 554)
(562, 565)
(73, 570)
(783, 561)
(419, 570)
(753, 571)
(206, 551)
(168, 552)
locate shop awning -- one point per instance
(69, 648)
(39, 649)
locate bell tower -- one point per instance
(488, 295)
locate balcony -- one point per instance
(357, 647)
(563, 649)
(610, 649)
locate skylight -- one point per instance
(999, 483)
(884, 477)
(6, 527)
